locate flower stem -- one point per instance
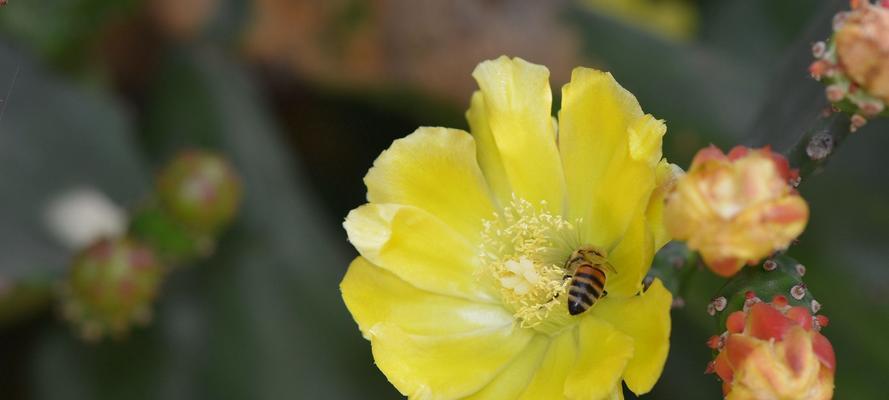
(817, 144)
(675, 265)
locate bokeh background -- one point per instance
(302, 95)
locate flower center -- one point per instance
(524, 249)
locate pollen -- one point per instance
(524, 249)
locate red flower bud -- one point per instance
(777, 355)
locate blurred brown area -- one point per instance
(182, 19)
(429, 45)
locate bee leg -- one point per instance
(604, 293)
(564, 278)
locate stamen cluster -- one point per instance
(524, 248)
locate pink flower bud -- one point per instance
(110, 286)
(862, 45)
(778, 355)
(201, 190)
(736, 209)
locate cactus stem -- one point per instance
(815, 147)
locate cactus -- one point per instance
(111, 286)
(200, 190)
(777, 276)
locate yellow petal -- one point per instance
(601, 358)
(631, 259)
(645, 139)
(434, 169)
(627, 185)
(593, 122)
(445, 367)
(488, 154)
(645, 318)
(513, 380)
(518, 103)
(618, 393)
(666, 177)
(609, 150)
(549, 381)
(374, 295)
(417, 247)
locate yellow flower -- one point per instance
(460, 284)
(736, 208)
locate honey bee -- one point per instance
(587, 266)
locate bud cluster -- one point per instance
(854, 63)
(111, 285)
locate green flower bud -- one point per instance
(110, 286)
(201, 190)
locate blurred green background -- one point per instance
(302, 95)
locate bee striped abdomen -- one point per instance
(587, 285)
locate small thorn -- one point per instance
(858, 121)
(835, 93)
(816, 306)
(798, 291)
(872, 108)
(818, 49)
(769, 265)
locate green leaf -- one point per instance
(54, 137)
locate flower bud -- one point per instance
(862, 46)
(111, 285)
(736, 209)
(854, 63)
(201, 190)
(774, 351)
